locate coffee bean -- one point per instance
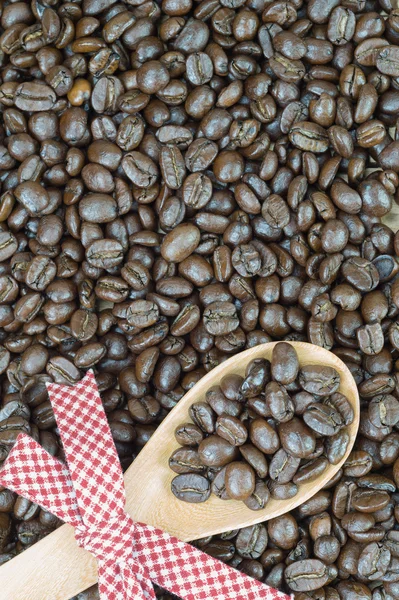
(259, 498)
(34, 97)
(203, 416)
(220, 318)
(319, 380)
(296, 438)
(186, 460)
(215, 451)
(8, 245)
(278, 401)
(180, 243)
(142, 313)
(307, 575)
(63, 371)
(283, 466)
(105, 254)
(388, 60)
(189, 435)
(263, 436)
(140, 169)
(83, 325)
(323, 419)
(191, 487)
(360, 273)
(309, 137)
(239, 481)
(257, 376)
(284, 364)
(231, 429)
(384, 410)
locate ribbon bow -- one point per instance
(89, 494)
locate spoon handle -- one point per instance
(53, 569)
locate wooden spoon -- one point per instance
(57, 569)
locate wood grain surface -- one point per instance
(392, 219)
(57, 569)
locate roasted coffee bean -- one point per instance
(259, 498)
(283, 466)
(284, 366)
(142, 313)
(180, 243)
(343, 407)
(191, 487)
(307, 575)
(387, 60)
(203, 416)
(360, 273)
(220, 318)
(319, 380)
(231, 429)
(63, 371)
(323, 419)
(83, 325)
(309, 137)
(239, 480)
(215, 451)
(186, 460)
(140, 169)
(251, 541)
(8, 245)
(230, 386)
(189, 434)
(263, 436)
(33, 97)
(255, 458)
(221, 405)
(257, 375)
(278, 401)
(384, 410)
(296, 438)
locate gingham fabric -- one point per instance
(89, 494)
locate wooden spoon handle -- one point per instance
(53, 569)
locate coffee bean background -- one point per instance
(180, 180)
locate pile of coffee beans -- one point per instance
(293, 416)
(182, 180)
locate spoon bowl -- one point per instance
(154, 503)
(56, 568)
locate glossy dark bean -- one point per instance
(307, 575)
(319, 380)
(191, 487)
(239, 480)
(215, 451)
(231, 429)
(285, 365)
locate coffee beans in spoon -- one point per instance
(264, 434)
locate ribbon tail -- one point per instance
(122, 581)
(143, 578)
(190, 574)
(33, 473)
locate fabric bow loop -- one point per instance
(112, 543)
(110, 540)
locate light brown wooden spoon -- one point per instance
(57, 569)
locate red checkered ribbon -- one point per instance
(89, 494)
